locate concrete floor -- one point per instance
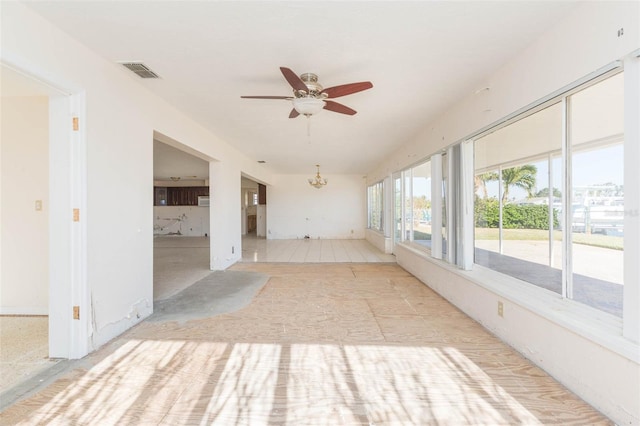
(595, 262)
(178, 262)
(334, 344)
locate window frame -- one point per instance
(376, 204)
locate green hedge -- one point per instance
(514, 216)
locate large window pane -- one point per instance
(519, 205)
(445, 183)
(397, 202)
(525, 216)
(421, 203)
(517, 199)
(407, 207)
(375, 203)
(487, 216)
(597, 194)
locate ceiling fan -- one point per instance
(310, 98)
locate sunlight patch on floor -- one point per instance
(179, 382)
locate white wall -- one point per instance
(188, 221)
(225, 214)
(379, 241)
(296, 209)
(121, 118)
(24, 281)
(588, 356)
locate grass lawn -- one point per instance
(597, 240)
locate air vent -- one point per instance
(140, 69)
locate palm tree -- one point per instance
(481, 182)
(520, 176)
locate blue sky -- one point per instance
(592, 167)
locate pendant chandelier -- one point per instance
(317, 182)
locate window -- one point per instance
(421, 204)
(548, 197)
(515, 231)
(375, 206)
(597, 195)
(397, 207)
(412, 205)
(443, 193)
(530, 181)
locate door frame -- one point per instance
(68, 286)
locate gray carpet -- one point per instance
(218, 293)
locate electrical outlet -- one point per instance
(500, 309)
(38, 205)
(233, 249)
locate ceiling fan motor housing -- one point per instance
(314, 88)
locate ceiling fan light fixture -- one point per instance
(308, 106)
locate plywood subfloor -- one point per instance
(320, 344)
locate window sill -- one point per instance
(597, 326)
(377, 231)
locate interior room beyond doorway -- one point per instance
(180, 219)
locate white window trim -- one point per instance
(631, 291)
(466, 237)
(382, 198)
(436, 206)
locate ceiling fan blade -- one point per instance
(267, 97)
(347, 89)
(293, 113)
(293, 79)
(336, 107)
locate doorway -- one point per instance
(181, 224)
(42, 255)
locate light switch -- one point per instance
(38, 205)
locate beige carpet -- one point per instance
(330, 344)
(24, 348)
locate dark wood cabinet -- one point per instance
(262, 194)
(179, 195)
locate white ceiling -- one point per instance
(170, 162)
(421, 56)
